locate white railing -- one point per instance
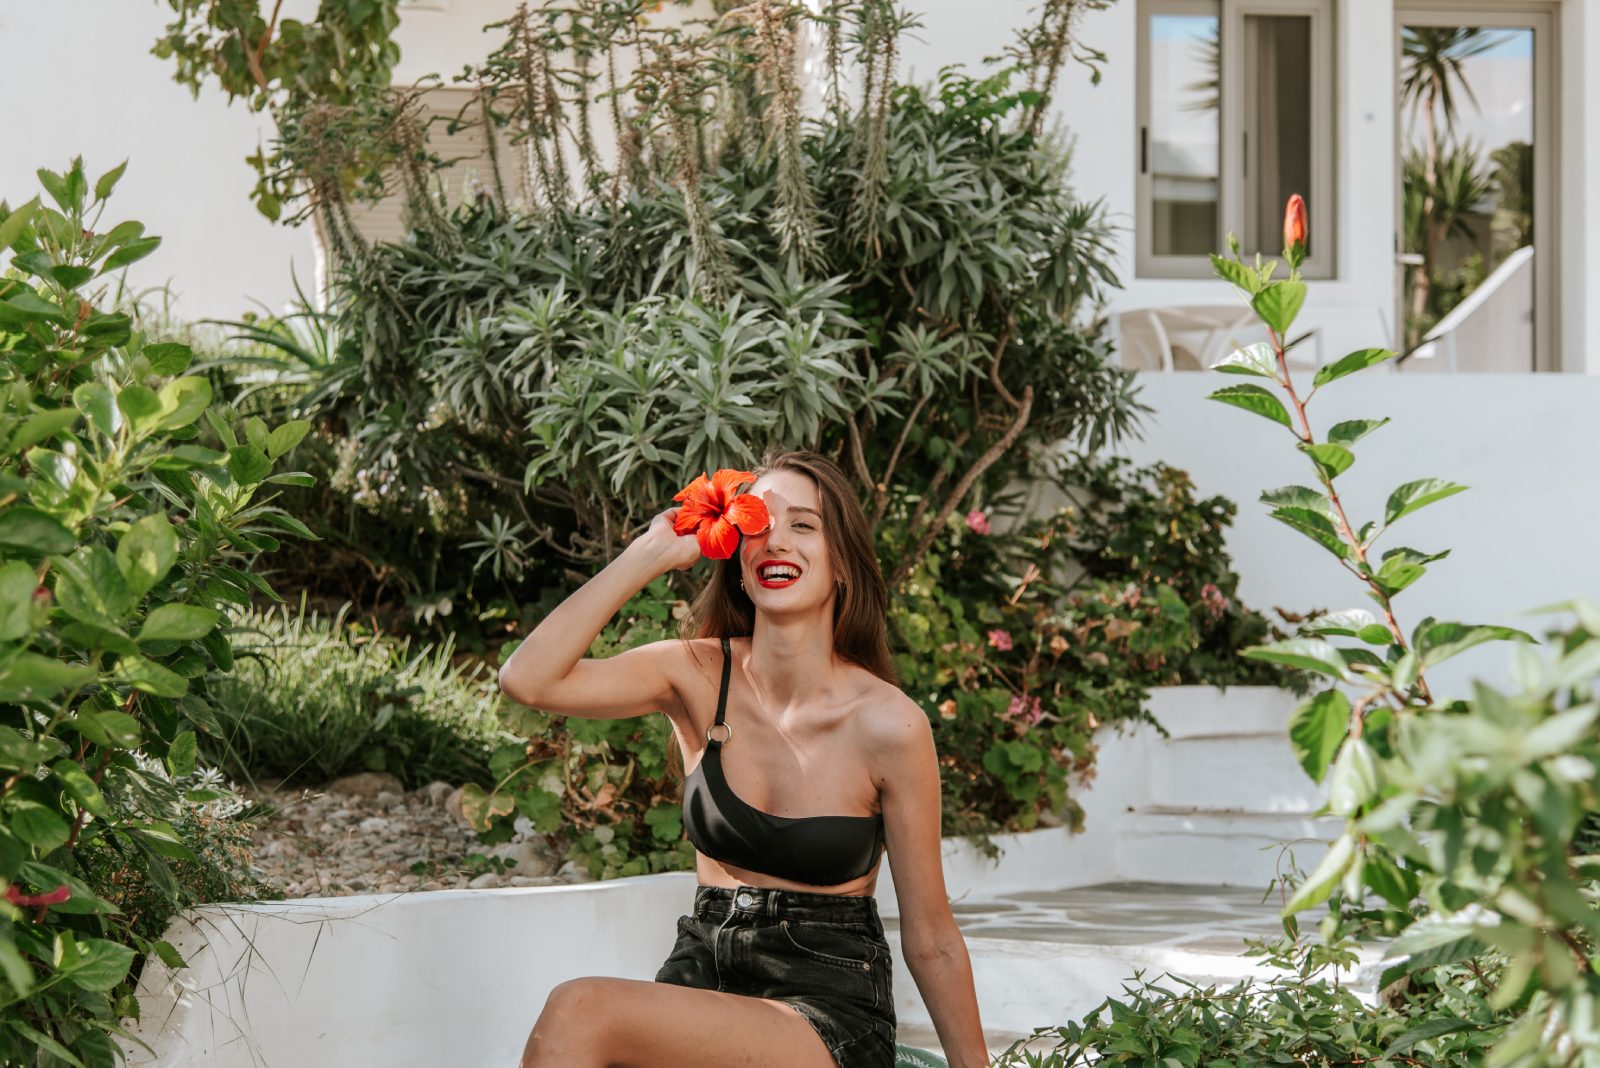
(1491, 330)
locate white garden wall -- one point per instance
(1521, 537)
(458, 976)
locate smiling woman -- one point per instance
(784, 649)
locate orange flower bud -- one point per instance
(1294, 224)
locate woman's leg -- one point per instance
(601, 1022)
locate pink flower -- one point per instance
(977, 522)
(1029, 708)
(1000, 640)
(1216, 601)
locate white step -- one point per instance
(1220, 847)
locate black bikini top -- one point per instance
(819, 850)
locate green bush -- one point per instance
(124, 534)
(600, 787)
(312, 699)
(520, 384)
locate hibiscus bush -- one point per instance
(131, 511)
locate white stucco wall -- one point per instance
(93, 89)
(1521, 537)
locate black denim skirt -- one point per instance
(825, 954)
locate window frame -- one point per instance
(1543, 18)
(1232, 181)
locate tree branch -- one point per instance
(987, 460)
(882, 487)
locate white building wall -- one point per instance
(79, 79)
(1356, 309)
(1521, 536)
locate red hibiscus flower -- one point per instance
(716, 516)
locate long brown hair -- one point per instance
(861, 601)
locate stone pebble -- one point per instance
(361, 834)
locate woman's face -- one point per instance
(795, 538)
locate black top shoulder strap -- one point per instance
(727, 673)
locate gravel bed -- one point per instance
(364, 834)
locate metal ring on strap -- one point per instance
(724, 741)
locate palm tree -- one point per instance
(1433, 61)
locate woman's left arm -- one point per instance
(907, 767)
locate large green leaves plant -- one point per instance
(123, 540)
(1461, 815)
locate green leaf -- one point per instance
(17, 583)
(26, 307)
(147, 552)
(1332, 460)
(1356, 361)
(1317, 728)
(292, 478)
(91, 588)
(132, 252)
(1299, 497)
(12, 226)
(76, 781)
(37, 825)
(24, 527)
(255, 432)
(140, 404)
(178, 622)
(150, 677)
(248, 464)
(45, 1042)
(108, 181)
(220, 425)
(108, 727)
(1351, 431)
(16, 970)
(181, 754)
(70, 276)
(1257, 359)
(1278, 303)
(182, 401)
(1320, 883)
(1235, 272)
(32, 677)
(1253, 398)
(168, 357)
(1398, 573)
(1441, 641)
(1432, 1028)
(1312, 654)
(102, 966)
(1354, 781)
(1316, 526)
(1413, 495)
(1346, 624)
(57, 187)
(185, 457)
(286, 437)
(170, 956)
(41, 425)
(95, 401)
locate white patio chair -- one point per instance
(1192, 337)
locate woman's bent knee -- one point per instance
(571, 1027)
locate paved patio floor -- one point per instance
(1142, 921)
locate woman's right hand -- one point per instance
(679, 551)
